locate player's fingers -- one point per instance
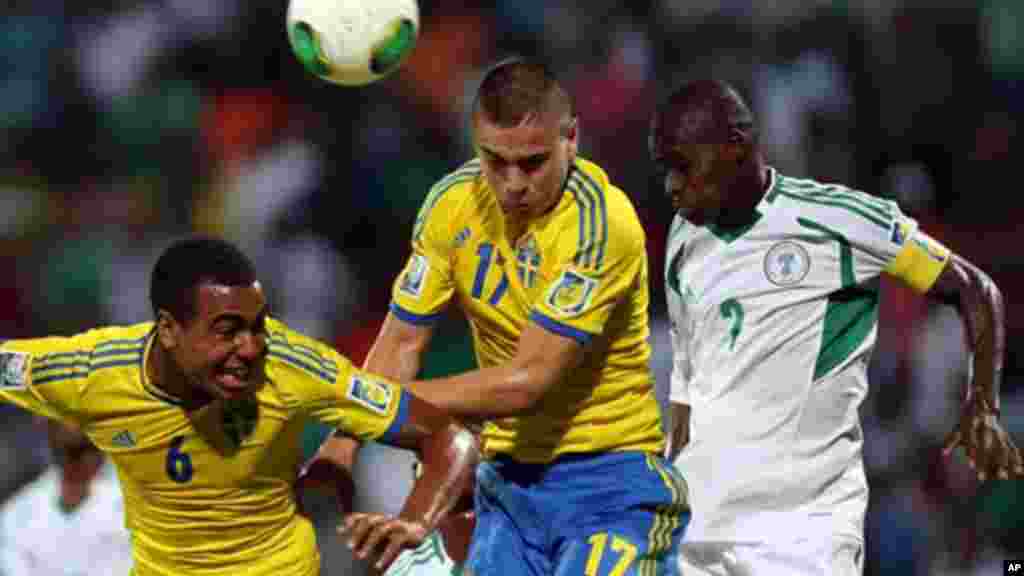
(951, 442)
(389, 554)
(349, 521)
(984, 456)
(362, 529)
(374, 537)
(1008, 458)
(972, 443)
(1018, 462)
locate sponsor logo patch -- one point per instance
(900, 231)
(14, 369)
(374, 395)
(123, 439)
(786, 263)
(571, 294)
(414, 275)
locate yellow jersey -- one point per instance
(580, 270)
(210, 491)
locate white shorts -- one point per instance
(832, 557)
(428, 559)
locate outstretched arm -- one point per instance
(449, 454)
(396, 354)
(542, 359)
(989, 448)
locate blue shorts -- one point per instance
(621, 513)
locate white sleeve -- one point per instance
(871, 231)
(679, 381)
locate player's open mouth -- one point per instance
(233, 381)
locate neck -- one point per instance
(76, 478)
(748, 189)
(165, 375)
(514, 228)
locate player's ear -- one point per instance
(570, 131)
(738, 145)
(166, 329)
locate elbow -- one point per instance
(457, 448)
(520, 401)
(524, 388)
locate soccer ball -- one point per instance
(352, 42)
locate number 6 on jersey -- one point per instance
(179, 464)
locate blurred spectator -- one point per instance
(70, 520)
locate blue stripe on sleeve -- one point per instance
(413, 318)
(401, 415)
(552, 325)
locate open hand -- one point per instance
(989, 449)
(385, 535)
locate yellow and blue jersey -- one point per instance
(580, 270)
(210, 491)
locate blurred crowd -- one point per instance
(126, 123)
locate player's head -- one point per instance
(210, 312)
(702, 137)
(524, 129)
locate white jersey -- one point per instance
(428, 559)
(773, 326)
(41, 539)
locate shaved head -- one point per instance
(702, 138)
(705, 112)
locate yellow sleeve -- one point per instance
(46, 376)
(919, 262)
(325, 385)
(598, 266)
(426, 284)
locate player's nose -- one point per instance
(516, 178)
(250, 346)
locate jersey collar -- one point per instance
(148, 386)
(728, 234)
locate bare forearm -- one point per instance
(394, 360)
(398, 349)
(493, 392)
(450, 459)
(983, 308)
(679, 429)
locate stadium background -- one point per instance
(124, 124)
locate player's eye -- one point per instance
(225, 330)
(494, 160)
(532, 163)
(682, 167)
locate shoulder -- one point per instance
(832, 203)
(451, 191)
(92, 341)
(604, 212)
(90, 358)
(295, 355)
(678, 228)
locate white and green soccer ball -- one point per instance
(352, 42)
